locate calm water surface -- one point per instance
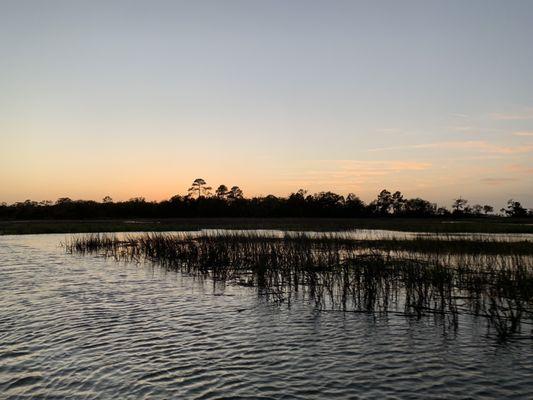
(85, 327)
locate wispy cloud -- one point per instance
(497, 181)
(464, 129)
(516, 116)
(388, 130)
(343, 173)
(518, 168)
(523, 133)
(474, 145)
(390, 166)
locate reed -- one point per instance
(440, 277)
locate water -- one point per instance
(86, 327)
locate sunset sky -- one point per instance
(138, 98)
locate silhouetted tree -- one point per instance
(384, 202)
(326, 204)
(398, 203)
(354, 205)
(515, 209)
(63, 200)
(488, 209)
(178, 198)
(199, 187)
(297, 204)
(298, 197)
(235, 193)
(419, 208)
(442, 211)
(459, 205)
(107, 200)
(221, 192)
(477, 209)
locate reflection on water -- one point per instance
(77, 327)
(371, 234)
(349, 275)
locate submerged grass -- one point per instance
(421, 277)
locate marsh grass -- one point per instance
(417, 278)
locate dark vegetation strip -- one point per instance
(345, 275)
(437, 225)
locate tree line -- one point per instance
(202, 201)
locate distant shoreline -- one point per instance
(444, 225)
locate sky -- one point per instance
(139, 98)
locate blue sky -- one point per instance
(132, 98)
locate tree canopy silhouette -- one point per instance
(199, 188)
(199, 202)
